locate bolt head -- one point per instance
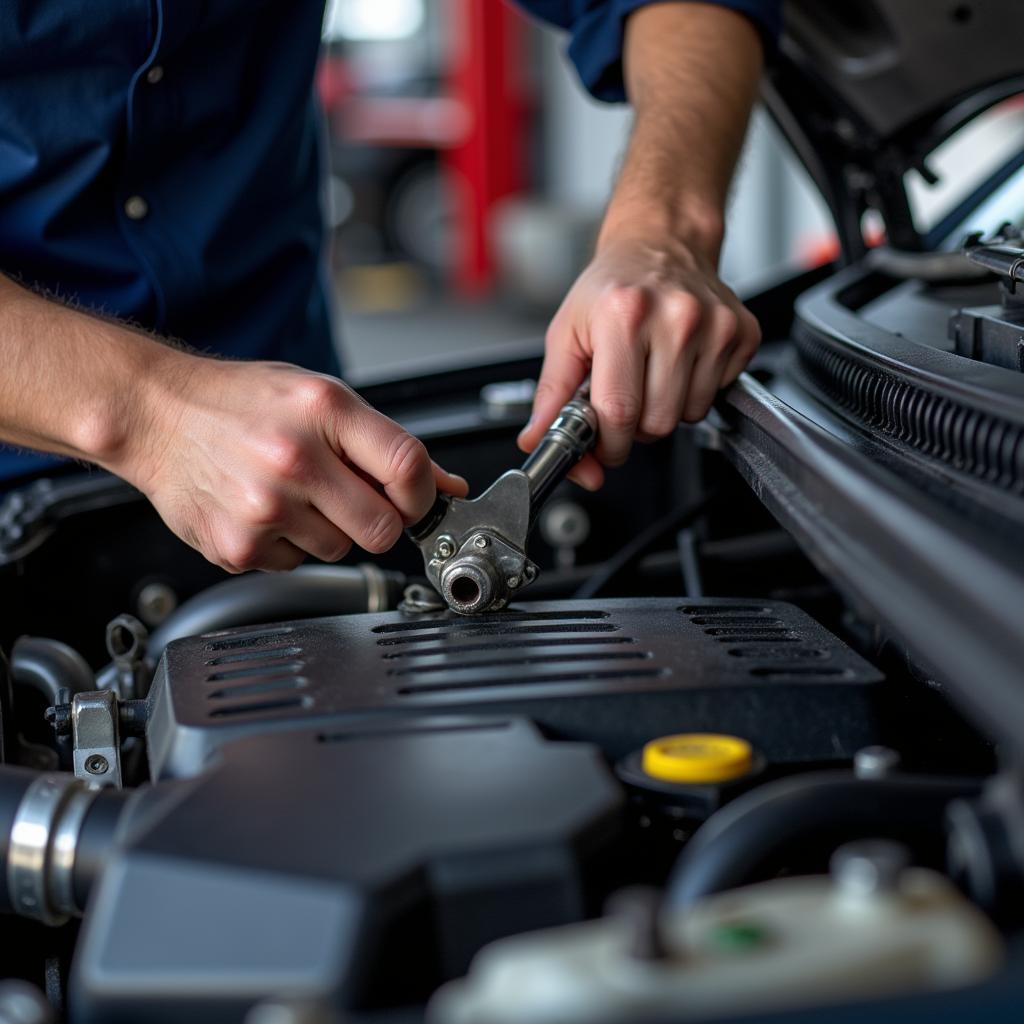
(59, 718)
(155, 602)
(869, 867)
(97, 765)
(481, 542)
(875, 762)
(513, 582)
(445, 548)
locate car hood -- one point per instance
(865, 91)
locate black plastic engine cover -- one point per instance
(612, 672)
(358, 868)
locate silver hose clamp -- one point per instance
(43, 845)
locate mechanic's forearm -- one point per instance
(691, 75)
(74, 384)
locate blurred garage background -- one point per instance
(469, 170)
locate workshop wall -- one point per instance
(424, 99)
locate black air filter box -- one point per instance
(354, 866)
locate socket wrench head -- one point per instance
(471, 584)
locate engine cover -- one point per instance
(612, 672)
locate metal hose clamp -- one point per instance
(43, 845)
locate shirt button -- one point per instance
(135, 207)
(154, 74)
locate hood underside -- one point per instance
(865, 90)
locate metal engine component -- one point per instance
(420, 600)
(875, 762)
(985, 844)
(49, 667)
(474, 551)
(96, 738)
(565, 525)
(508, 398)
(127, 639)
(995, 334)
(870, 867)
(22, 1003)
(155, 602)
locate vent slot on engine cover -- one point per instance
(448, 657)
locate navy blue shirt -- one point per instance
(596, 29)
(160, 162)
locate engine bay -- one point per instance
(738, 737)
(688, 775)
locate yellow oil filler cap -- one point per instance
(697, 757)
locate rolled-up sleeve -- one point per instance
(596, 30)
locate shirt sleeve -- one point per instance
(596, 34)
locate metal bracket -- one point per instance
(127, 639)
(96, 738)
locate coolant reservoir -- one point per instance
(773, 946)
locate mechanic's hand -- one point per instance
(659, 334)
(259, 464)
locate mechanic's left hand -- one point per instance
(659, 333)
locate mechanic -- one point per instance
(159, 179)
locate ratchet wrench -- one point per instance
(474, 551)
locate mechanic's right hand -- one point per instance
(258, 464)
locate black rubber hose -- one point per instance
(256, 598)
(96, 839)
(790, 819)
(48, 666)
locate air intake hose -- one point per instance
(55, 835)
(256, 598)
(793, 817)
(49, 666)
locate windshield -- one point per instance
(980, 183)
